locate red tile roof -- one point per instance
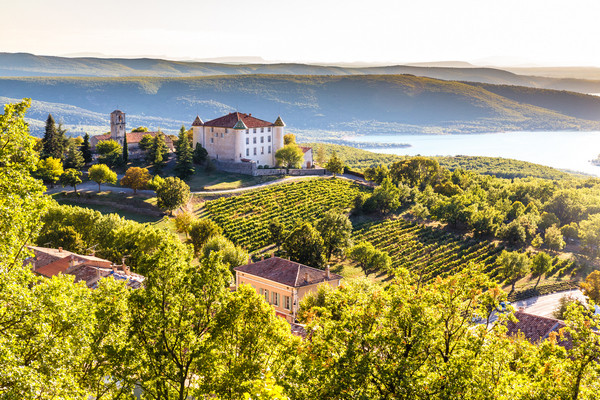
(197, 121)
(54, 268)
(229, 121)
(535, 328)
(305, 149)
(132, 138)
(287, 272)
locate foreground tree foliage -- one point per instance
(172, 193)
(136, 178)
(101, 173)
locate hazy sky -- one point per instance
(517, 31)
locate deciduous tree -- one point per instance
(304, 244)
(334, 165)
(540, 264)
(49, 170)
(136, 178)
(101, 173)
(553, 238)
(172, 193)
(514, 266)
(109, 152)
(335, 229)
(369, 259)
(290, 156)
(71, 177)
(591, 286)
(201, 231)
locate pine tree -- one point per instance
(86, 149)
(52, 146)
(74, 158)
(185, 165)
(125, 150)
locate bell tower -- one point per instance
(117, 126)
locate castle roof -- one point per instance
(240, 125)
(197, 121)
(117, 112)
(230, 120)
(287, 272)
(132, 138)
(279, 122)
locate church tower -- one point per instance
(117, 126)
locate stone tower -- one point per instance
(117, 126)
(278, 133)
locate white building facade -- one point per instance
(240, 137)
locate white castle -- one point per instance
(239, 137)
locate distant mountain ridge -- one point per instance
(24, 64)
(315, 105)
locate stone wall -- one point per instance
(251, 168)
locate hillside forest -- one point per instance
(429, 249)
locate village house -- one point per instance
(49, 262)
(536, 329)
(118, 133)
(284, 283)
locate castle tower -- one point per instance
(198, 132)
(239, 129)
(278, 127)
(117, 126)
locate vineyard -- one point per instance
(245, 218)
(425, 250)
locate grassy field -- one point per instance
(218, 180)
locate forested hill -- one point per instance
(365, 104)
(23, 64)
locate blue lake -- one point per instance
(564, 150)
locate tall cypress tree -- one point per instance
(86, 149)
(185, 156)
(125, 150)
(159, 152)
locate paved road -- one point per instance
(545, 305)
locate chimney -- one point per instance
(327, 272)
(306, 277)
(126, 269)
(72, 261)
(250, 114)
(114, 269)
(60, 249)
(262, 257)
(249, 260)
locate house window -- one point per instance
(269, 149)
(254, 140)
(262, 139)
(262, 150)
(269, 130)
(221, 134)
(216, 135)
(247, 152)
(287, 302)
(262, 130)
(266, 293)
(226, 130)
(247, 140)
(254, 130)
(255, 151)
(247, 131)
(269, 139)
(212, 140)
(275, 299)
(212, 129)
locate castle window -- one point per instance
(262, 150)
(221, 134)
(254, 140)
(255, 151)
(247, 152)
(269, 149)
(262, 130)
(269, 129)
(212, 140)
(247, 131)
(254, 130)
(269, 139)
(247, 140)
(262, 139)
(216, 134)
(212, 129)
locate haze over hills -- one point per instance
(23, 64)
(359, 104)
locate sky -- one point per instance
(500, 32)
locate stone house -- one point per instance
(49, 262)
(118, 133)
(284, 283)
